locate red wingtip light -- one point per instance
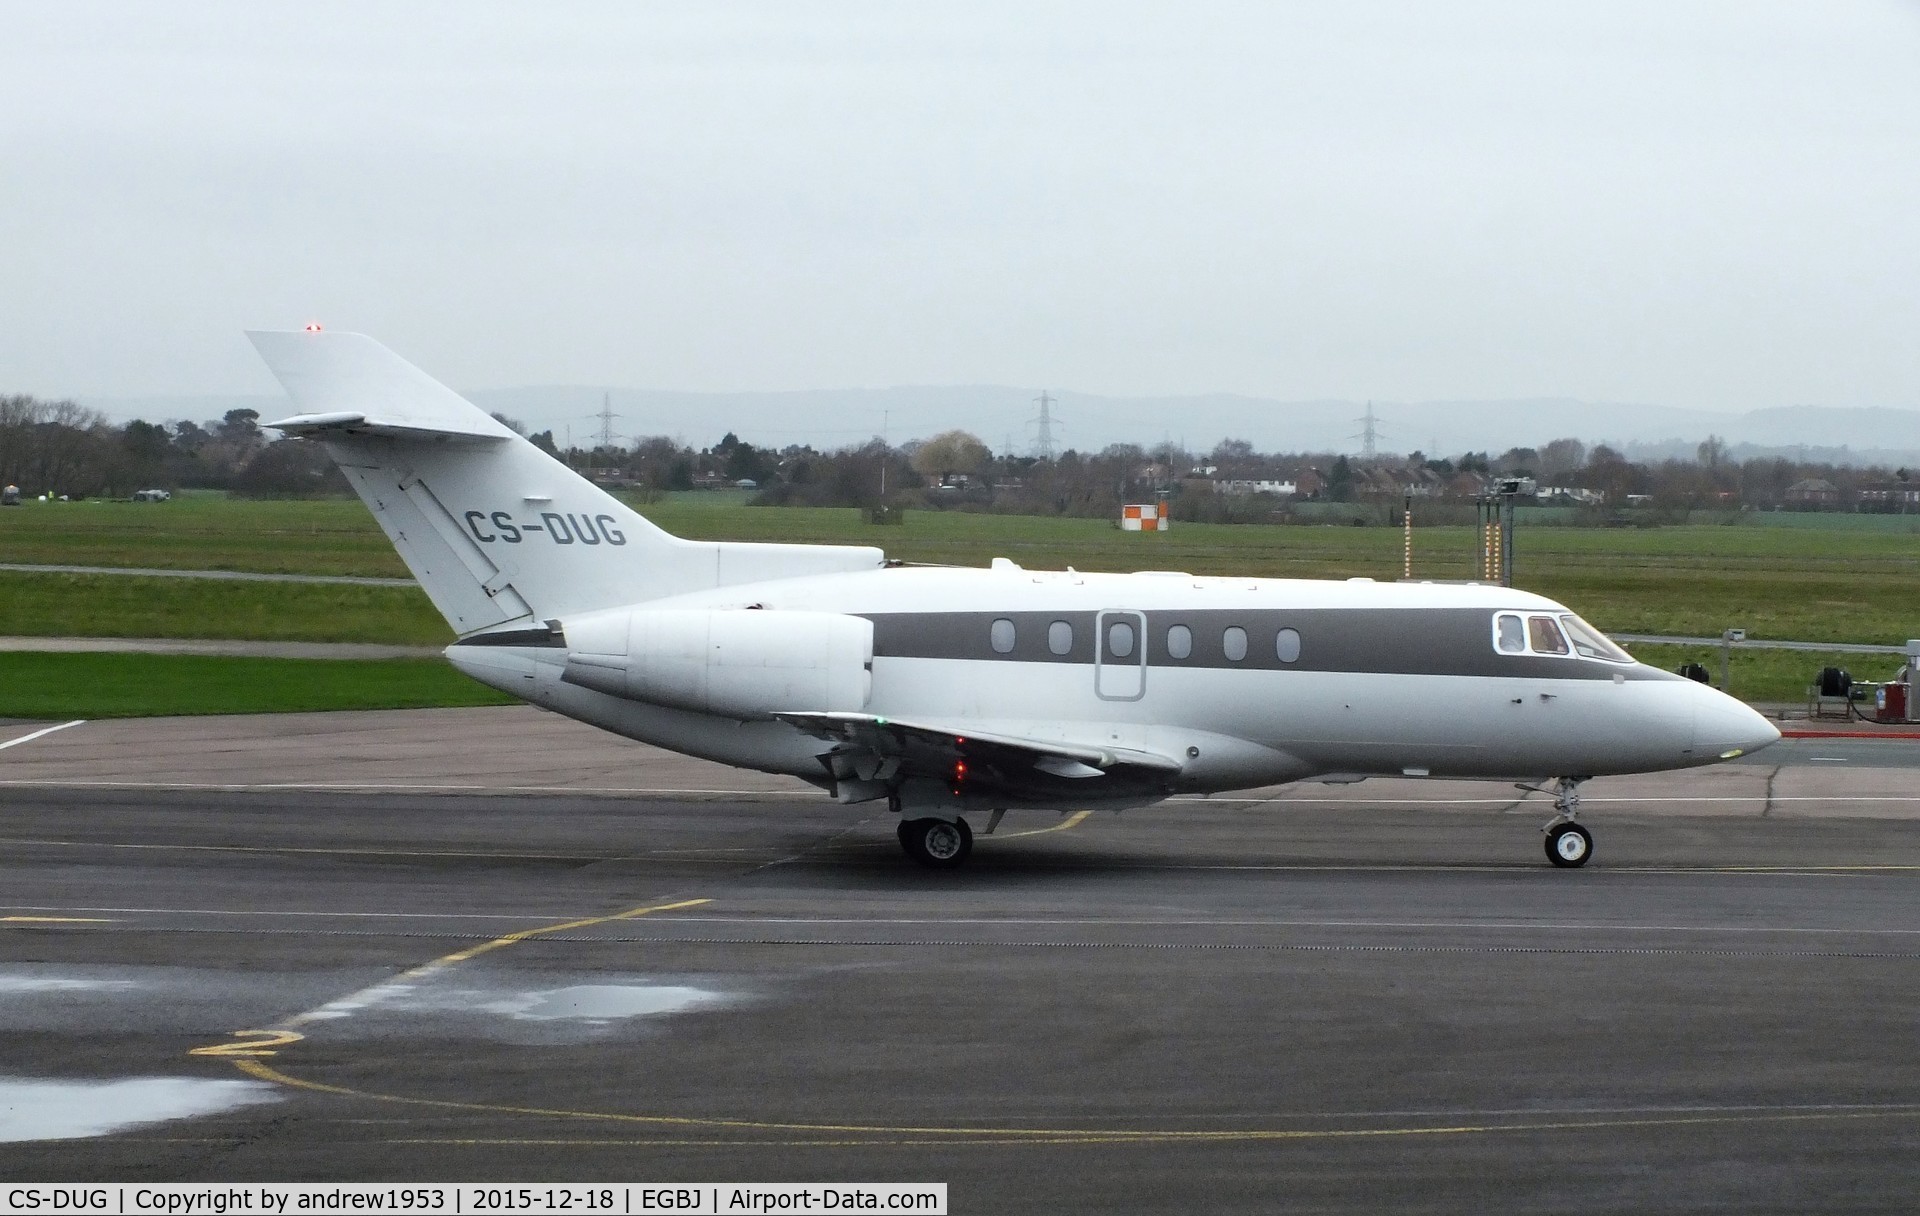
(313, 327)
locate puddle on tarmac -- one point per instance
(564, 1014)
(12, 984)
(564, 1007)
(86, 999)
(40, 1109)
(605, 1002)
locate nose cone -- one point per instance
(1724, 728)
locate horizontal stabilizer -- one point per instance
(500, 533)
(350, 384)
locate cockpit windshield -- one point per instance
(1590, 643)
(1509, 634)
(1558, 634)
(1544, 636)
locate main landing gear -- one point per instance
(1568, 844)
(939, 844)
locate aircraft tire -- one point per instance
(938, 844)
(1569, 846)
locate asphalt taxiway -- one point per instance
(495, 945)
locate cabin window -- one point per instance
(1590, 643)
(1545, 635)
(1001, 635)
(1234, 642)
(1509, 635)
(1060, 637)
(1179, 642)
(1119, 640)
(1286, 645)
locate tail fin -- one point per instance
(496, 530)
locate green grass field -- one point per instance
(1838, 583)
(119, 606)
(1778, 676)
(142, 685)
(139, 685)
(1841, 585)
(202, 532)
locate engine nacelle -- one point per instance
(741, 663)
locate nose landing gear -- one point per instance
(1569, 845)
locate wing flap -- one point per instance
(892, 737)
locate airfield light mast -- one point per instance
(1489, 545)
(1496, 532)
(1406, 521)
(1506, 538)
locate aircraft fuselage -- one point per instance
(1375, 679)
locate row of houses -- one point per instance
(1819, 494)
(1386, 482)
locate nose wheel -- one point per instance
(1569, 845)
(939, 844)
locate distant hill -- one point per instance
(1002, 416)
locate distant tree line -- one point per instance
(62, 448)
(1234, 482)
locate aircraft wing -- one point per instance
(876, 748)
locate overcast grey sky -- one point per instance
(1699, 204)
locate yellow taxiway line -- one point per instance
(246, 1045)
(1072, 821)
(247, 1048)
(55, 920)
(862, 1133)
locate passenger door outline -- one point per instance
(1119, 678)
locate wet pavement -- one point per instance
(388, 946)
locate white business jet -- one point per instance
(954, 693)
